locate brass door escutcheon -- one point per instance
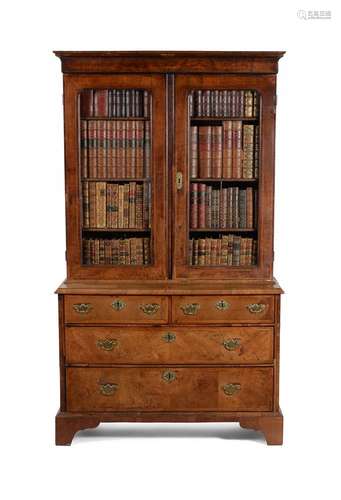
(178, 181)
(231, 389)
(190, 309)
(222, 305)
(169, 337)
(108, 389)
(149, 308)
(118, 305)
(168, 376)
(107, 344)
(256, 308)
(82, 308)
(231, 344)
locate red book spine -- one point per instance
(201, 205)
(194, 205)
(101, 103)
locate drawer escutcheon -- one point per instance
(168, 376)
(169, 337)
(82, 308)
(118, 305)
(231, 389)
(222, 305)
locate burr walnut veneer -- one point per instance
(152, 332)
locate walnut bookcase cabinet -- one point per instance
(170, 311)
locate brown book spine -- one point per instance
(242, 252)
(146, 204)
(255, 103)
(256, 159)
(194, 152)
(107, 252)
(237, 150)
(139, 251)
(248, 151)
(114, 204)
(205, 154)
(126, 205)
(91, 148)
(249, 208)
(133, 149)
(92, 202)
(115, 252)
(227, 149)
(99, 148)
(128, 149)
(201, 252)
(87, 103)
(208, 249)
(146, 251)
(235, 214)
(147, 150)
(201, 205)
(223, 208)
(120, 205)
(139, 206)
(242, 209)
(86, 205)
(101, 204)
(196, 252)
(132, 204)
(224, 250)
(133, 251)
(217, 152)
(248, 108)
(109, 205)
(208, 208)
(84, 148)
(230, 207)
(146, 104)
(214, 251)
(194, 205)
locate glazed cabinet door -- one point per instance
(223, 176)
(115, 176)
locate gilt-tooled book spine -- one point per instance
(92, 203)
(248, 154)
(224, 208)
(205, 154)
(139, 206)
(237, 150)
(194, 205)
(146, 204)
(249, 208)
(132, 204)
(194, 152)
(248, 104)
(100, 103)
(201, 252)
(147, 148)
(101, 204)
(208, 244)
(256, 152)
(146, 251)
(195, 252)
(126, 205)
(133, 146)
(84, 148)
(227, 149)
(86, 204)
(214, 249)
(208, 208)
(217, 152)
(242, 209)
(201, 205)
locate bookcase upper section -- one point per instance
(250, 62)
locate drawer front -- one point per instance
(223, 309)
(170, 388)
(136, 345)
(114, 309)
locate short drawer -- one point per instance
(170, 388)
(223, 309)
(113, 309)
(184, 345)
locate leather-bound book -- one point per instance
(205, 160)
(101, 103)
(194, 152)
(194, 205)
(237, 150)
(217, 151)
(201, 205)
(248, 153)
(84, 148)
(101, 204)
(87, 103)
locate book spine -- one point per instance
(201, 205)
(201, 252)
(109, 205)
(132, 204)
(146, 149)
(133, 148)
(86, 204)
(115, 206)
(256, 152)
(248, 108)
(248, 154)
(101, 103)
(194, 152)
(223, 209)
(195, 252)
(84, 148)
(146, 204)
(205, 135)
(146, 104)
(194, 205)
(237, 150)
(249, 208)
(139, 207)
(126, 205)
(208, 208)
(92, 204)
(101, 204)
(242, 209)
(87, 103)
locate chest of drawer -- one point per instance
(184, 345)
(112, 309)
(223, 309)
(170, 388)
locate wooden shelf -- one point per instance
(116, 179)
(115, 230)
(222, 230)
(111, 118)
(221, 179)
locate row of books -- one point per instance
(115, 149)
(230, 250)
(115, 103)
(224, 103)
(228, 151)
(117, 252)
(230, 207)
(109, 205)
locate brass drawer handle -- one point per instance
(231, 344)
(149, 308)
(256, 308)
(231, 389)
(82, 308)
(118, 305)
(108, 389)
(190, 309)
(169, 337)
(168, 376)
(107, 344)
(222, 305)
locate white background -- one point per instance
(146, 461)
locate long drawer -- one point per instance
(113, 309)
(170, 388)
(223, 309)
(185, 345)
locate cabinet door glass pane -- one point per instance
(115, 162)
(223, 163)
